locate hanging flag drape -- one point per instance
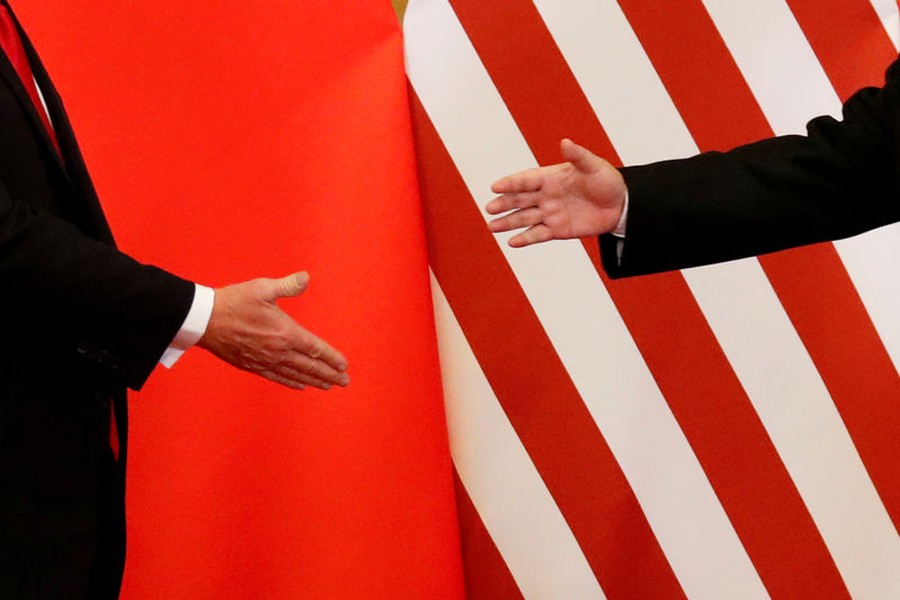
(724, 432)
(235, 140)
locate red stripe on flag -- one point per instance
(850, 357)
(533, 386)
(486, 573)
(697, 381)
(829, 24)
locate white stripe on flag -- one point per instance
(506, 489)
(581, 321)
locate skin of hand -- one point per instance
(248, 330)
(583, 196)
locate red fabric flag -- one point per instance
(231, 141)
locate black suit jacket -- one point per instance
(839, 180)
(80, 322)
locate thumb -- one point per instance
(579, 156)
(287, 287)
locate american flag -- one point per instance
(723, 432)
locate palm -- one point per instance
(582, 197)
(576, 204)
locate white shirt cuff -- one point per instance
(619, 230)
(194, 325)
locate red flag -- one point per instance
(231, 141)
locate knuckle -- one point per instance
(316, 350)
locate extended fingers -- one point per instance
(316, 358)
(297, 370)
(316, 370)
(297, 358)
(287, 375)
(512, 201)
(532, 235)
(319, 350)
(529, 180)
(525, 217)
(293, 379)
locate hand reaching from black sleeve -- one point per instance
(581, 197)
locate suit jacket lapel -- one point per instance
(9, 75)
(71, 163)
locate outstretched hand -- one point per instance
(581, 197)
(249, 331)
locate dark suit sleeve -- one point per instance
(86, 294)
(837, 181)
